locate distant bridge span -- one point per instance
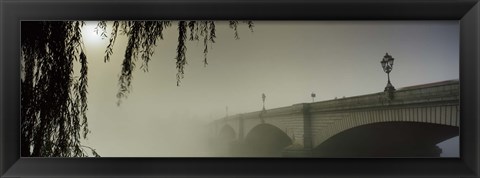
(418, 115)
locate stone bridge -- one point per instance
(408, 122)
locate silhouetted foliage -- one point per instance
(54, 99)
(143, 36)
(54, 102)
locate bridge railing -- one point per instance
(444, 92)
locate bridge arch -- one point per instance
(227, 133)
(265, 140)
(326, 125)
(221, 143)
(387, 139)
(283, 123)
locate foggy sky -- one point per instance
(285, 60)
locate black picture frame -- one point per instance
(467, 12)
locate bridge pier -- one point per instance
(297, 150)
(303, 147)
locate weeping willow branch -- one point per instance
(142, 38)
(233, 25)
(181, 49)
(92, 150)
(54, 99)
(113, 36)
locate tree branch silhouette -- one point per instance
(54, 100)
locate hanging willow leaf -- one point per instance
(113, 36)
(233, 25)
(181, 49)
(250, 25)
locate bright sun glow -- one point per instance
(90, 36)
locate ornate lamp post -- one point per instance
(387, 65)
(263, 99)
(226, 112)
(313, 96)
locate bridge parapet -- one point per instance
(447, 91)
